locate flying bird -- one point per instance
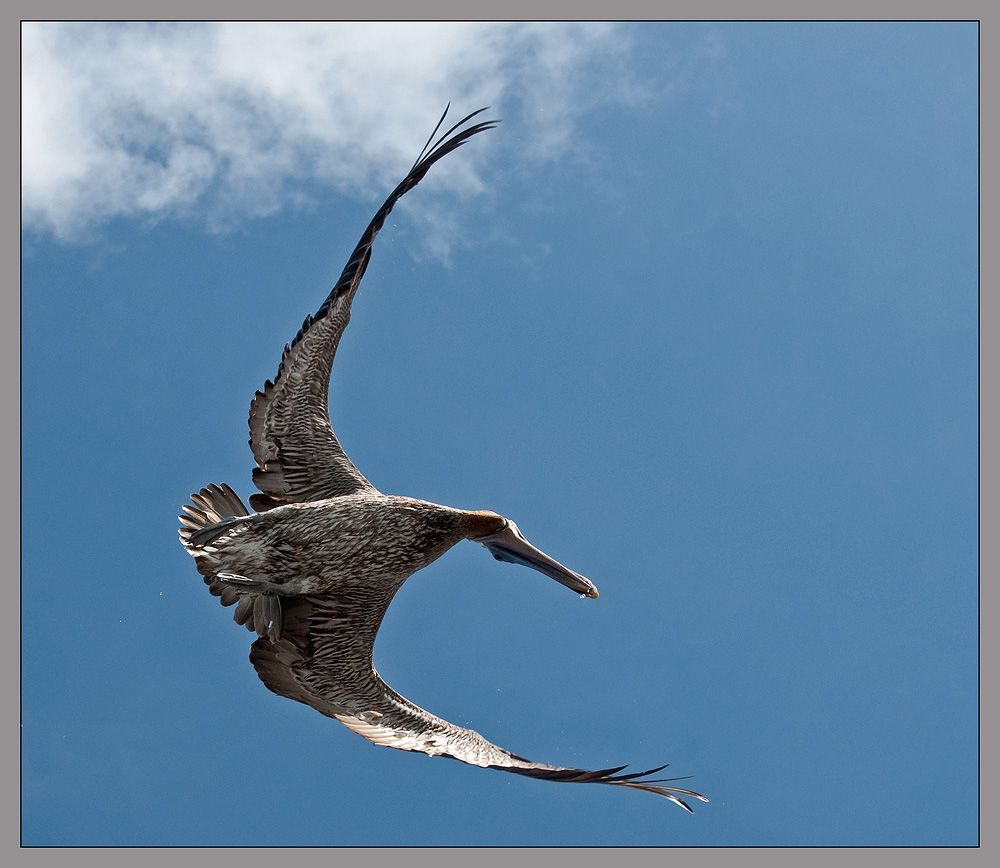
(314, 567)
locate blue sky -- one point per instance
(700, 316)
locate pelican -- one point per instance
(314, 567)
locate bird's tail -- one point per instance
(212, 513)
(209, 514)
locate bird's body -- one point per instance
(314, 568)
(359, 541)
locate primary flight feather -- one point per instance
(313, 569)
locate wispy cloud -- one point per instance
(225, 122)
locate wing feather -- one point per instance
(298, 456)
(324, 659)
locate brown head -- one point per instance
(481, 522)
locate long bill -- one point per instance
(510, 545)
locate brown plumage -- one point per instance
(314, 568)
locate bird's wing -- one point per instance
(324, 659)
(299, 458)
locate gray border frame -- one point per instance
(516, 10)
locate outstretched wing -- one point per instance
(324, 659)
(299, 458)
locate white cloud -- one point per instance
(224, 122)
